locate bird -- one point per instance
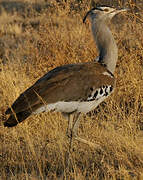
(73, 89)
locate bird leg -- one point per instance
(70, 125)
(87, 142)
(73, 127)
(68, 163)
(73, 124)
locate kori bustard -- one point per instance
(74, 88)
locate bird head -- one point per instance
(102, 13)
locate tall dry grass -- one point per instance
(32, 43)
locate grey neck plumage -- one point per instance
(108, 51)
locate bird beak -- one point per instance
(120, 10)
(116, 11)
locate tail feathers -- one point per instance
(13, 120)
(8, 111)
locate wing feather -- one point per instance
(65, 83)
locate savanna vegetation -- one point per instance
(36, 36)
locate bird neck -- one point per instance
(108, 51)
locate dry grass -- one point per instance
(33, 43)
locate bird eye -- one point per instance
(106, 10)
